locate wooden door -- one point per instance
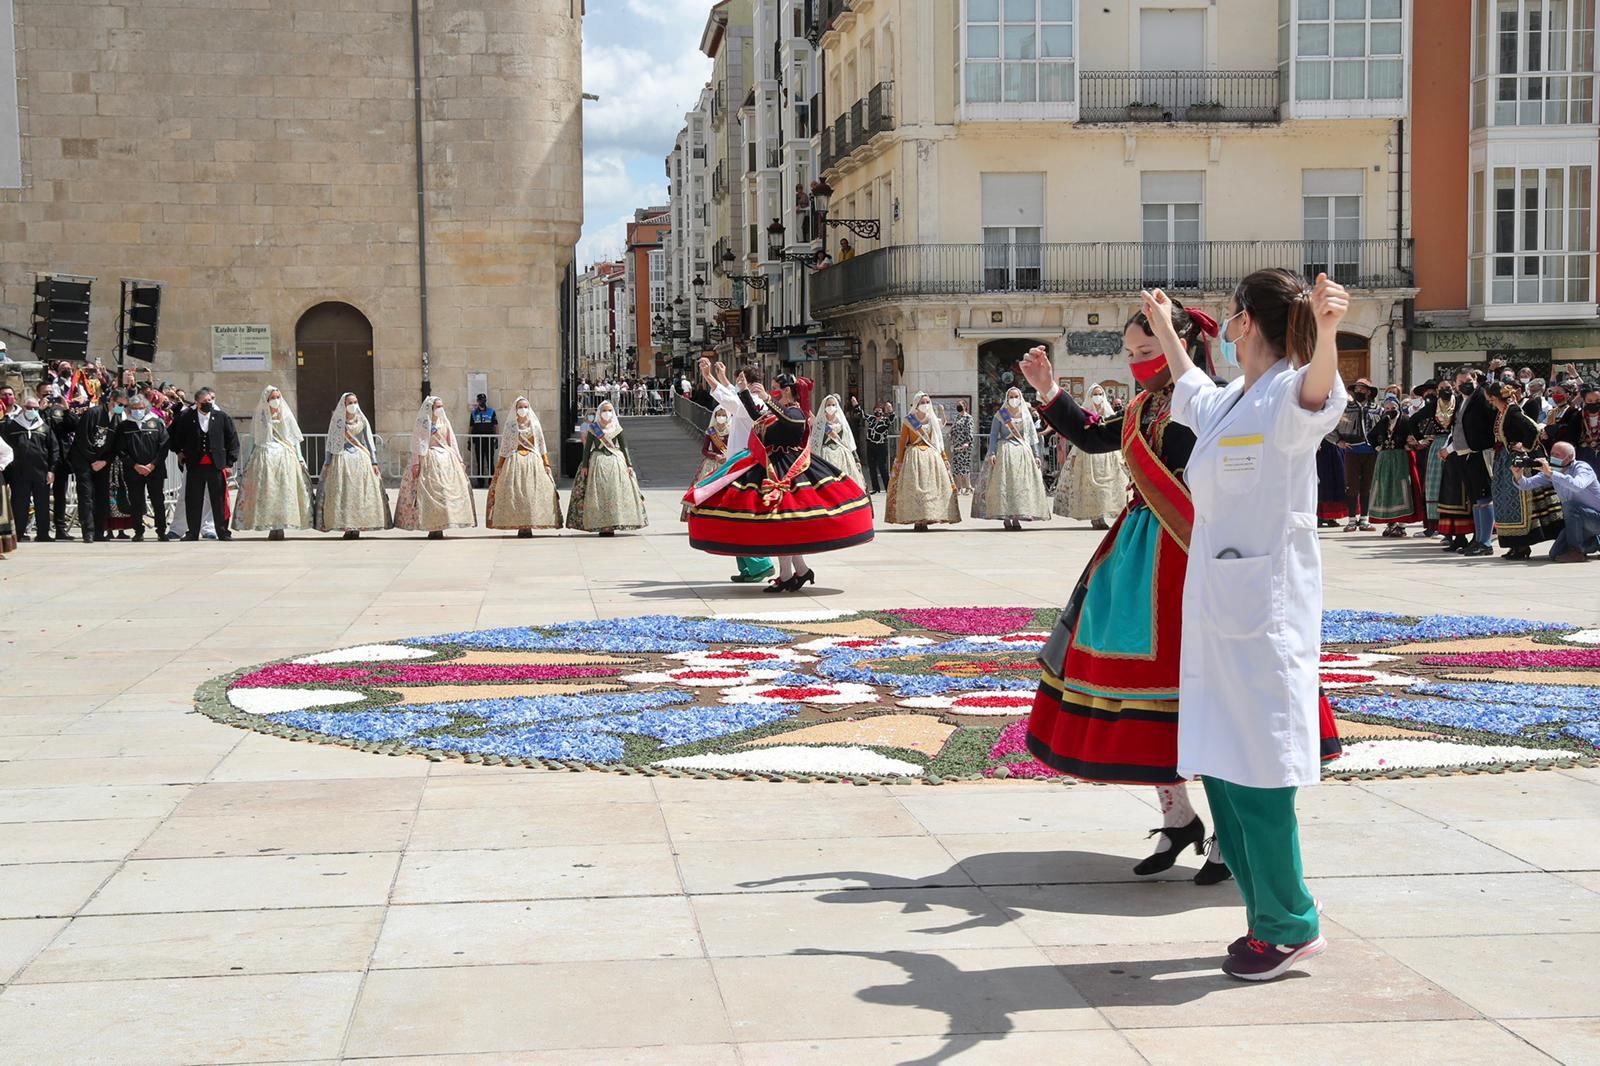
(1355, 358)
(333, 356)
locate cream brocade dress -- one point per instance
(841, 458)
(1012, 487)
(274, 492)
(921, 488)
(350, 494)
(605, 492)
(443, 497)
(1097, 486)
(523, 494)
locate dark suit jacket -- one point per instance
(34, 454)
(91, 441)
(1477, 416)
(221, 442)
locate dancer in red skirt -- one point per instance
(1107, 704)
(778, 498)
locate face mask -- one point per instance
(1591, 408)
(925, 408)
(275, 403)
(1557, 464)
(1469, 388)
(30, 415)
(1228, 351)
(1447, 395)
(138, 413)
(1014, 402)
(205, 405)
(606, 416)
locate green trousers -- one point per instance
(750, 567)
(1260, 840)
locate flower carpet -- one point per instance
(929, 694)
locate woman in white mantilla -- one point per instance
(523, 494)
(833, 441)
(1010, 486)
(922, 489)
(1097, 483)
(350, 492)
(434, 493)
(605, 491)
(274, 490)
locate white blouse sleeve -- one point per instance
(1296, 430)
(6, 455)
(1195, 398)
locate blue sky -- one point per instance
(642, 58)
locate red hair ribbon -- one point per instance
(1207, 324)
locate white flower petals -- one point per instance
(283, 700)
(798, 759)
(1367, 755)
(366, 653)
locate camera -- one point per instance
(1524, 462)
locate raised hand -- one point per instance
(1157, 305)
(1036, 368)
(1330, 303)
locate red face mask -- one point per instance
(1145, 369)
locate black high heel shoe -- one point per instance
(1180, 837)
(778, 584)
(799, 581)
(1212, 871)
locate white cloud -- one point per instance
(644, 90)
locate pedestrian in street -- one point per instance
(482, 431)
(141, 447)
(1249, 705)
(61, 419)
(30, 473)
(208, 449)
(879, 425)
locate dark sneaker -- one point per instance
(1266, 962)
(1239, 945)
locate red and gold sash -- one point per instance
(1161, 489)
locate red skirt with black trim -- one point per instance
(822, 510)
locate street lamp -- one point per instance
(868, 229)
(758, 282)
(775, 249)
(721, 301)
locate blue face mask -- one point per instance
(1228, 351)
(1557, 464)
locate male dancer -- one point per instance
(740, 425)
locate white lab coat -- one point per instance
(740, 424)
(1252, 625)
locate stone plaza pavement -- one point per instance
(173, 890)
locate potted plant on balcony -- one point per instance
(1142, 112)
(1210, 111)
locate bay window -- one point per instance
(1532, 62)
(1016, 58)
(1344, 57)
(1532, 241)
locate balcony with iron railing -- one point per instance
(719, 181)
(1178, 96)
(1100, 268)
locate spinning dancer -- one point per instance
(779, 497)
(752, 569)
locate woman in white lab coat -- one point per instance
(1248, 720)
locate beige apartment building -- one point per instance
(261, 161)
(1033, 163)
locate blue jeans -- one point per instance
(1582, 531)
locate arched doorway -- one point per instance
(333, 356)
(1355, 358)
(997, 372)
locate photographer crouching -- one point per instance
(1578, 490)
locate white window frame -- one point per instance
(1017, 111)
(1339, 257)
(1547, 96)
(1365, 107)
(1172, 267)
(1012, 265)
(1532, 264)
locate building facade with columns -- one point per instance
(1033, 164)
(261, 161)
